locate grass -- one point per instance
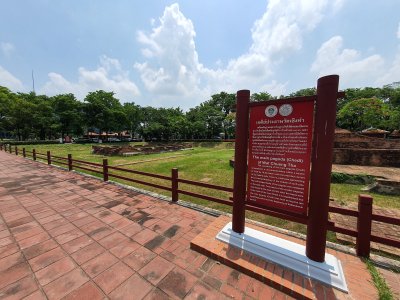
(347, 193)
(384, 291)
(207, 162)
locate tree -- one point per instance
(208, 119)
(229, 124)
(6, 99)
(21, 118)
(210, 115)
(304, 92)
(360, 114)
(133, 116)
(104, 112)
(263, 96)
(68, 114)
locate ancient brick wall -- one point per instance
(356, 149)
(367, 157)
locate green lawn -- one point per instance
(207, 162)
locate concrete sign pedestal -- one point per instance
(287, 254)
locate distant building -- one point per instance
(375, 132)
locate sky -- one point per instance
(178, 53)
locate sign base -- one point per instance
(287, 254)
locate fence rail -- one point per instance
(365, 217)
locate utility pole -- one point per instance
(33, 82)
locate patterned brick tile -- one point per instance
(124, 248)
(177, 283)
(28, 242)
(113, 240)
(156, 270)
(8, 250)
(19, 289)
(39, 249)
(77, 244)
(116, 243)
(139, 258)
(98, 264)
(85, 292)
(135, 285)
(55, 270)
(83, 255)
(13, 274)
(11, 260)
(46, 258)
(157, 294)
(113, 277)
(65, 284)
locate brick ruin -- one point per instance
(356, 149)
(127, 150)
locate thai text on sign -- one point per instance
(280, 153)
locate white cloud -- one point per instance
(109, 76)
(10, 81)
(353, 69)
(172, 70)
(392, 72)
(7, 48)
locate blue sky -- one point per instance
(178, 53)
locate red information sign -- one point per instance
(279, 154)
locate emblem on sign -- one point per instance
(285, 110)
(271, 111)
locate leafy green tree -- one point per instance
(304, 92)
(20, 118)
(208, 118)
(103, 111)
(263, 96)
(68, 114)
(6, 98)
(162, 123)
(364, 113)
(229, 125)
(133, 116)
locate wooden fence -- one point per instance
(365, 217)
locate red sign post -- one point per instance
(280, 153)
(285, 143)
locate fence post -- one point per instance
(48, 158)
(34, 154)
(23, 152)
(1, 147)
(10, 149)
(174, 184)
(16, 150)
(69, 162)
(321, 162)
(364, 225)
(240, 170)
(105, 169)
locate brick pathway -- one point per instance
(358, 278)
(392, 280)
(63, 235)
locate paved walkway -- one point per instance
(67, 236)
(63, 235)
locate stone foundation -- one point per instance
(367, 157)
(355, 149)
(135, 150)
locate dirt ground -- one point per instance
(384, 172)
